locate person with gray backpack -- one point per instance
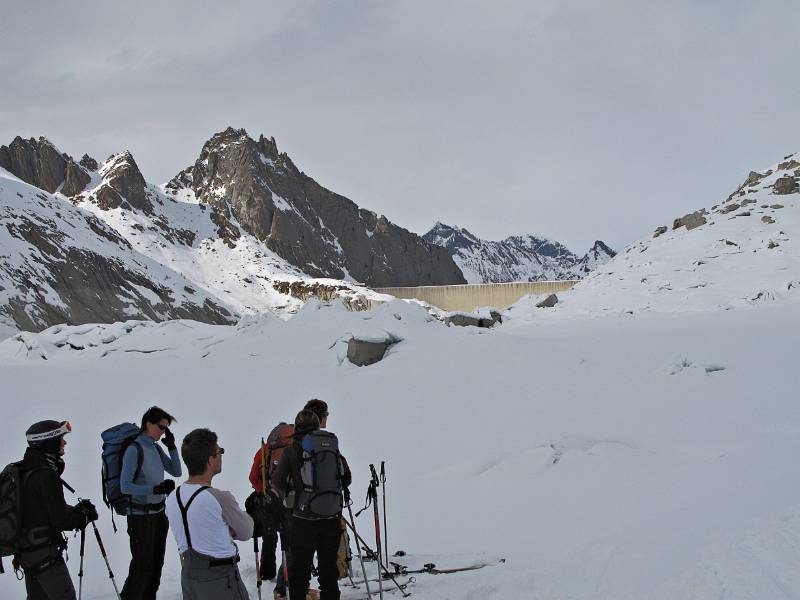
(142, 494)
(312, 471)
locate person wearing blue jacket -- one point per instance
(142, 478)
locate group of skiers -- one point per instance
(299, 480)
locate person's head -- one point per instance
(155, 422)
(201, 453)
(48, 436)
(319, 408)
(305, 421)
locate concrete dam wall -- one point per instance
(471, 296)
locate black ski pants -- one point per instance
(306, 537)
(52, 583)
(148, 540)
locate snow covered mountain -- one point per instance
(61, 264)
(242, 228)
(742, 252)
(516, 258)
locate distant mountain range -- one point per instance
(516, 258)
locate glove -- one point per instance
(88, 510)
(262, 507)
(165, 487)
(169, 440)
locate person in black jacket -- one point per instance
(309, 533)
(45, 513)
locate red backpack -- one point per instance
(277, 441)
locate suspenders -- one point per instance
(185, 511)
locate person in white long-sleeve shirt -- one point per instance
(205, 522)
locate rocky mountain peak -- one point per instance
(40, 163)
(251, 186)
(123, 185)
(88, 163)
(37, 162)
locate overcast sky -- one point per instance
(578, 120)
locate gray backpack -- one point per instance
(321, 472)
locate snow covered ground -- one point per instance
(637, 441)
(624, 457)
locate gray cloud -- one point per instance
(574, 119)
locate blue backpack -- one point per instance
(115, 441)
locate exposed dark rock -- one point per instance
(108, 198)
(730, 208)
(743, 214)
(776, 206)
(367, 352)
(690, 221)
(785, 185)
(753, 177)
(660, 231)
(37, 162)
(790, 164)
(767, 219)
(87, 162)
(772, 245)
(548, 302)
(463, 320)
(90, 287)
(122, 174)
(76, 179)
(322, 233)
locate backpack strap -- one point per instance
(185, 511)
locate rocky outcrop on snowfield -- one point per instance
(516, 258)
(742, 252)
(60, 264)
(251, 187)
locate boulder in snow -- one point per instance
(690, 221)
(548, 302)
(785, 185)
(363, 352)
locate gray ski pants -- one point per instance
(203, 578)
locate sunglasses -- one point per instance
(219, 452)
(162, 427)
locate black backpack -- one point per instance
(321, 471)
(11, 482)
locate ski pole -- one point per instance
(258, 568)
(105, 558)
(349, 504)
(80, 570)
(99, 543)
(387, 572)
(372, 492)
(385, 527)
(285, 571)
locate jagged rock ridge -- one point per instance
(516, 258)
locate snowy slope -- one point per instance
(516, 258)
(746, 253)
(60, 263)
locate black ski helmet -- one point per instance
(46, 435)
